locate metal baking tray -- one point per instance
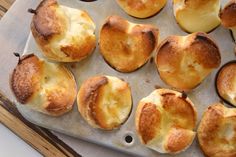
(142, 81)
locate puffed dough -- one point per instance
(217, 131)
(141, 8)
(165, 121)
(104, 102)
(184, 62)
(197, 15)
(226, 82)
(228, 17)
(127, 46)
(64, 34)
(45, 87)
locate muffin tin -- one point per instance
(142, 82)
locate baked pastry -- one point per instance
(197, 15)
(226, 82)
(104, 102)
(64, 34)
(141, 8)
(127, 46)
(228, 17)
(45, 87)
(165, 121)
(216, 131)
(184, 61)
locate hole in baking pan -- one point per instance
(88, 0)
(128, 139)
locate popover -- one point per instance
(127, 46)
(46, 87)
(64, 34)
(183, 62)
(165, 121)
(217, 131)
(104, 102)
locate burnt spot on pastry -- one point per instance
(184, 95)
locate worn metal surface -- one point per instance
(142, 81)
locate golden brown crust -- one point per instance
(140, 8)
(217, 131)
(178, 139)
(183, 62)
(104, 102)
(177, 106)
(24, 80)
(212, 58)
(89, 98)
(228, 14)
(46, 21)
(149, 122)
(127, 46)
(225, 82)
(51, 27)
(45, 87)
(165, 121)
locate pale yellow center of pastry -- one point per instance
(54, 79)
(116, 101)
(201, 16)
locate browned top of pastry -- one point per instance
(226, 82)
(228, 14)
(47, 21)
(89, 98)
(149, 122)
(127, 46)
(25, 78)
(183, 62)
(217, 131)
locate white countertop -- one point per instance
(11, 145)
